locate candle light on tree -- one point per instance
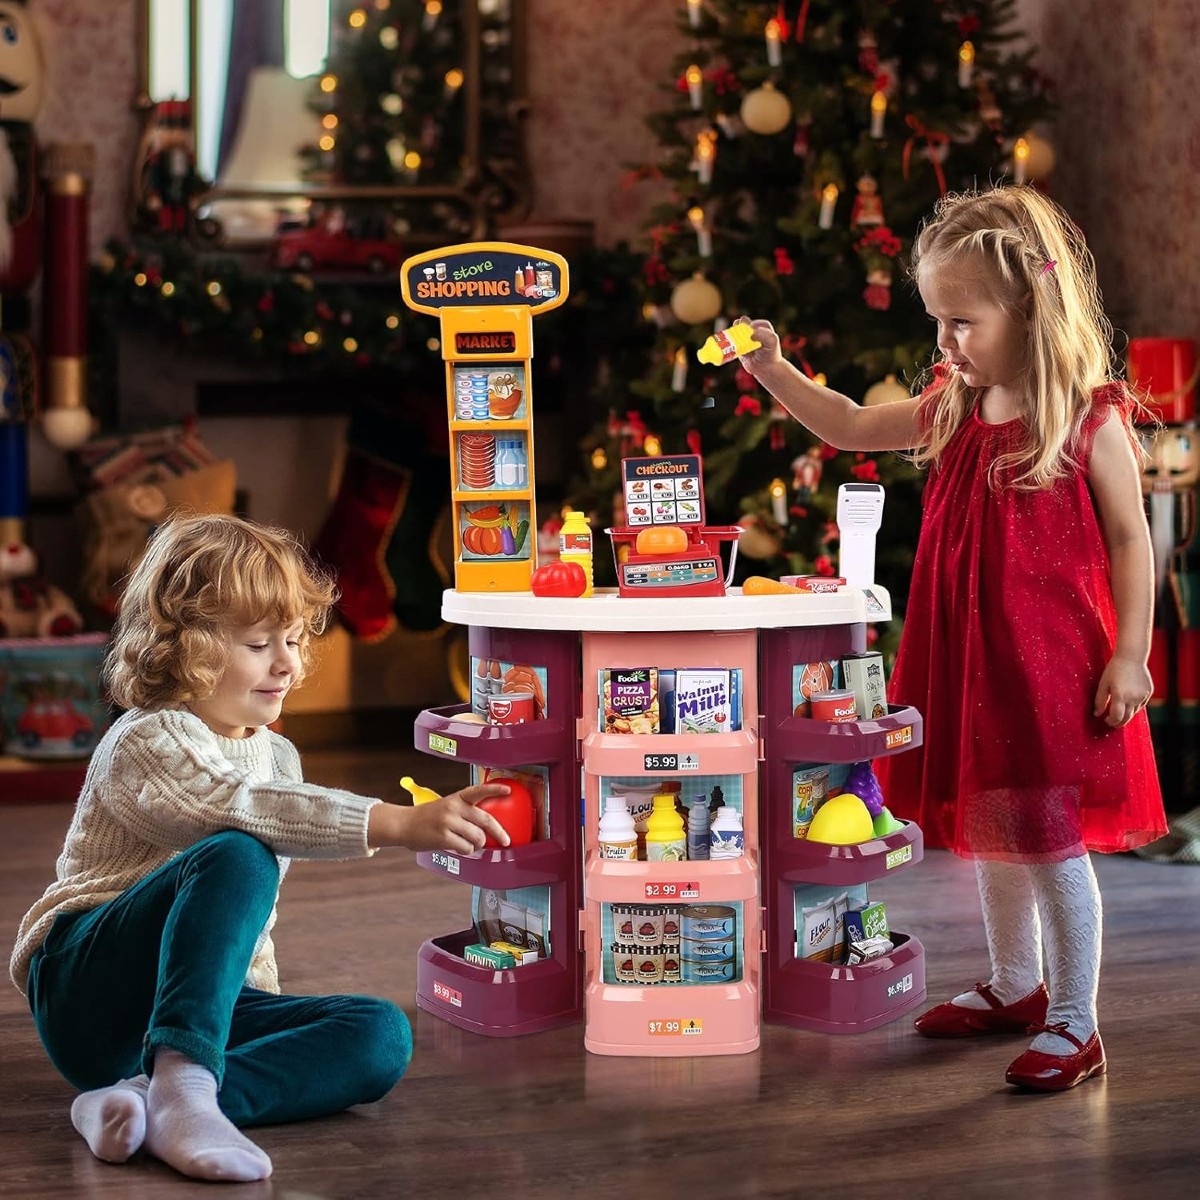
(652, 445)
(966, 64)
(1020, 160)
(878, 112)
(599, 459)
(453, 81)
(706, 153)
(774, 43)
(433, 10)
(703, 235)
(829, 197)
(693, 11)
(779, 501)
(679, 371)
(695, 81)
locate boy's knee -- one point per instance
(387, 1046)
(241, 855)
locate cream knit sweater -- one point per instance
(160, 781)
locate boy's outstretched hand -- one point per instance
(451, 823)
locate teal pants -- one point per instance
(163, 964)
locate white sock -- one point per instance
(112, 1120)
(187, 1130)
(1068, 898)
(1010, 920)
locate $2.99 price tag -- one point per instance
(672, 891)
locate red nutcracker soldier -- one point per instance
(167, 177)
(1164, 371)
(24, 204)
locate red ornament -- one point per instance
(743, 380)
(867, 471)
(783, 262)
(823, 565)
(748, 406)
(693, 441)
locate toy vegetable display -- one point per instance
(661, 539)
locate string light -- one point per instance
(327, 141)
(350, 345)
(140, 279)
(357, 19)
(433, 10)
(312, 338)
(453, 81)
(599, 459)
(652, 446)
(168, 288)
(213, 288)
(393, 321)
(329, 83)
(329, 121)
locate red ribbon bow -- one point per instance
(934, 140)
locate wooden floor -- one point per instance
(880, 1114)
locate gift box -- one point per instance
(1163, 370)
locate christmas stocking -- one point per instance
(378, 535)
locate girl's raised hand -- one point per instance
(757, 361)
(1125, 687)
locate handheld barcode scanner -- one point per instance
(859, 516)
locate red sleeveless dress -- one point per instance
(1009, 626)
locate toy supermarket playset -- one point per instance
(732, 827)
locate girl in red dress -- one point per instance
(1027, 632)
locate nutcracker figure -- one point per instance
(167, 177)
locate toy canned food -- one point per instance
(648, 964)
(511, 708)
(834, 707)
(708, 921)
(707, 949)
(708, 972)
(810, 787)
(648, 924)
(623, 916)
(624, 966)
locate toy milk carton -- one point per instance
(863, 675)
(704, 701)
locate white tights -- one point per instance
(1021, 904)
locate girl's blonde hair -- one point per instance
(199, 578)
(1038, 268)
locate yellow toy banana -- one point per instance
(420, 795)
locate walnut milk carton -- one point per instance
(862, 674)
(705, 701)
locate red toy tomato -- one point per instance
(514, 812)
(558, 579)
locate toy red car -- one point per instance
(333, 242)
(54, 721)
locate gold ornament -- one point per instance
(755, 541)
(886, 391)
(766, 110)
(696, 301)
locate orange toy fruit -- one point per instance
(661, 539)
(514, 812)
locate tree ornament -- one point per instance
(766, 110)
(887, 391)
(878, 292)
(868, 204)
(806, 473)
(696, 301)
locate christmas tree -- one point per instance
(803, 142)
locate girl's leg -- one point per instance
(1010, 920)
(157, 970)
(112, 1120)
(291, 1058)
(1068, 898)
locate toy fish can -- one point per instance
(708, 921)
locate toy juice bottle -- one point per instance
(698, 829)
(575, 544)
(727, 344)
(666, 840)
(618, 837)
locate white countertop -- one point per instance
(608, 612)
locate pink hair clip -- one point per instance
(1048, 267)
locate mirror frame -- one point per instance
(491, 186)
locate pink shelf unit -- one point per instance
(548, 993)
(799, 992)
(671, 1018)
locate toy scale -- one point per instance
(664, 548)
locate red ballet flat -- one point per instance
(952, 1020)
(1042, 1072)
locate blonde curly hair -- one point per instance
(200, 578)
(1032, 260)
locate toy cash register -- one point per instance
(664, 548)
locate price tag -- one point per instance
(676, 1027)
(443, 745)
(447, 995)
(445, 862)
(898, 737)
(898, 858)
(672, 891)
(661, 762)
